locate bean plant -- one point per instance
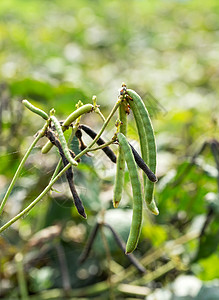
(53, 129)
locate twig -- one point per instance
(104, 146)
(155, 254)
(21, 277)
(63, 268)
(215, 152)
(208, 219)
(38, 137)
(84, 255)
(48, 187)
(96, 108)
(99, 142)
(135, 290)
(155, 274)
(108, 256)
(122, 245)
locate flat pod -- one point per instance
(35, 109)
(120, 164)
(77, 113)
(146, 134)
(137, 195)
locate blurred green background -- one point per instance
(54, 53)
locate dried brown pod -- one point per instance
(69, 173)
(99, 142)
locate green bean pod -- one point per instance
(63, 141)
(153, 208)
(77, 113)
(120, 167)
(137, 195)
(143, 143)
(142, 118)
(35, 109)
(70, 119)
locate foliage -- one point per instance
(55, 53)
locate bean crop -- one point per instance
(137, 195)
(120, 167)
(146, 134)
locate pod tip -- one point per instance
(83, 215)
(155, 212)
(153, 208)
(115, 204)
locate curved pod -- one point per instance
(148, 139)
(35, 109)
(63, 141)
(120, 167)
(137, 195)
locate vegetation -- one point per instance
(55, 53)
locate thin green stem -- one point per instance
(101, 130)
(40, 134)
(43, 193)
(32, 204)
(102, 146)
(21, 276)
(156, 274)
(109, 258)
(99, 134)
(96, 108)
(56, 169)
(97, 111)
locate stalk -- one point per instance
(40, 134)
(43, 193)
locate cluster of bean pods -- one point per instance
(128, 99)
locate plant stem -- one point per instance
(56, 169)
(103, 146)
(40, 134)
(71, 118)
(21, 276)
(32, 204)
(109, 258)
(42, 194)
(100, 114)
(101, 130)
(156, 274)
(66, 283)
(96, 108)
